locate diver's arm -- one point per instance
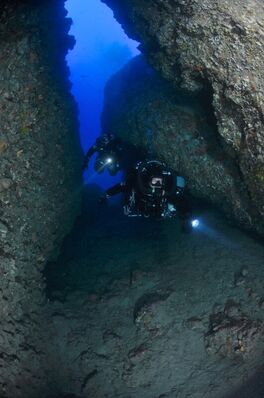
(88, 155)
(182, 205)
(184, 211)
(114, 190)
(118, 188)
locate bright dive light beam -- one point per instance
(195, 223)
(109, 160)
(99, 170)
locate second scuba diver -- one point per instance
(109, 149)
(113, 155)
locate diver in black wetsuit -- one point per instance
(152, 190)
(109, 149)
(113, 154)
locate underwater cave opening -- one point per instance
(102, 48)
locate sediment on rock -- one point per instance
(39, 182)
(142, 309)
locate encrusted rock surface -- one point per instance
(216, 47)
(39, 182)
(180, 130)
(232, 333)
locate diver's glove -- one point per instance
(186, 223)
(103, 199)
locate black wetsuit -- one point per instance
(139, 203)
(124, 155)
(105, 145)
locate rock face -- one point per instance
(39, 182)
(215, 48)
(179, 129)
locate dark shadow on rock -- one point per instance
(56, 271)
(146, 301)
(90, 197)
(253, 388)
(65, 396)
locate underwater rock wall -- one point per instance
(213, 47)
(177, 128)
(40, 179)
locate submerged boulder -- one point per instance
(182, 130)
(214, 47)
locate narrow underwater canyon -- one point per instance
(94, 304)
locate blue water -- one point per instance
(101, 49)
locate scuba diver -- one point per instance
(113, 154)
(152, 190)
(108, 149)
